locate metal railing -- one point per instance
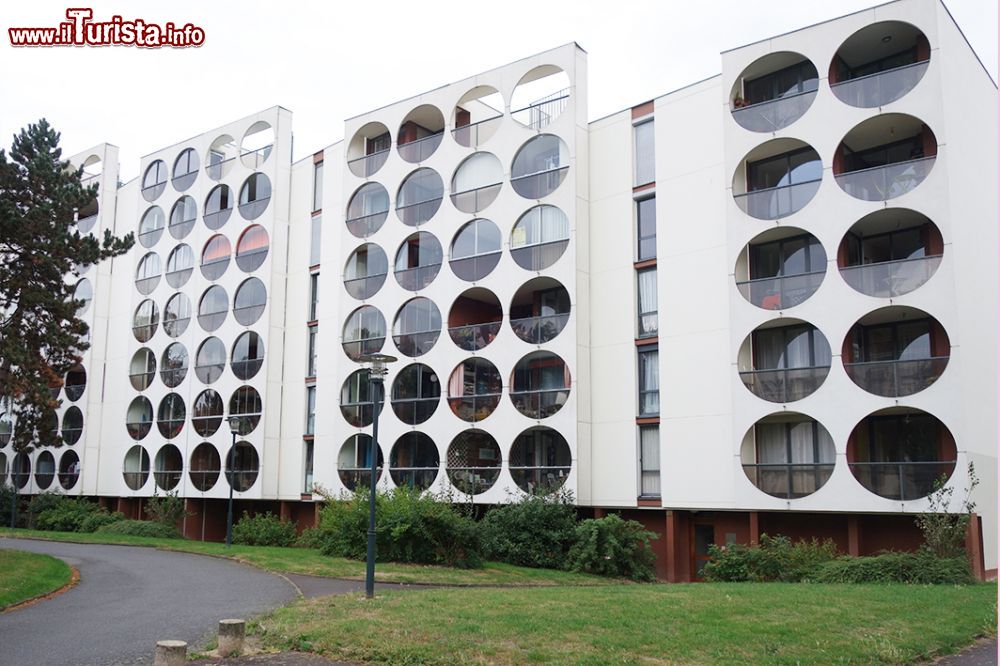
(206, 426)
(473, 337)
(538, 330)
(174, 327)
(363, 287)
(367, 165)
(789, 480)
(540, 480)
(248, 314)
(886, 182)
(212, 320)
(474, 407)
(537, 256)
(365, 225)
(247, 369)
(415, 279)
(475, 267)
(539, 404)
(897, 378)
(173, 376)
(204, 479)
(357, 477)
(416, 343)
(901, 480)
(417, 213)
(539, 185)
(781, 292)
(774, 202)
(543, 111)
(420, 149)
(886, 279)
(469, 135)
(241, 480)
(474, 200)
(251, 210)
(773, 114)
(141, 380)
(880, 88)
(217, 219)
(415, 410)
(473, 480)
(358, 348)
(785, 384)
(168, 479)
(419, 478)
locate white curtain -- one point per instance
(647, 291)
(480, 170)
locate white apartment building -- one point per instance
(765, 302)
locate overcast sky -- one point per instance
(332, 60)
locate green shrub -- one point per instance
(773, 559)
(264, 529)
(99, 519)
(6, 499)
(54, 512)
(613, 547)
(922, 567)
(311, 537)
(533, 532)
(141, 528)
(166, 509)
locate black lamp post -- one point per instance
(376, 374)
(234, 427)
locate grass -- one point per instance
(309, 561)
(718, 623)
(24, 576)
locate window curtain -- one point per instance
(650, 382)
(480, 170)
(647, 291)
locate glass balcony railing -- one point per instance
(474, 407)
(901, 480)
(539, 185)
(358, 348)
(417, 343)
(473, 480)
(418, 478)
(366, 165)
(421, 149)
(887, 279)
(85, 224)
(537, 256)
(789, 481)
(364, 287)
(474, 336)
(539, 480)
(882, 183)
(475, 267)
(785, 384)
(417, 213)
(897, 378)
(880, 88)
(253, 159)
(774, 114)
(365, 225)
(475, 133)
(540, 113)
(473, 201)
(539, 404)
(539, 330)
(358, 477)
(775, 202)
(415, 279)
(415, 410)
(217, 169)
(781, 292)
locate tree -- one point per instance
(944, 531)
(41, 337)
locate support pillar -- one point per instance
(853, 536)
(671, 535)
(754, 519)
(974, 546)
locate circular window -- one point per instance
(540, 385)
(774, 91)
(180, 265)
(185, 169)
(539, 310)
(473, 462)
(83, 292)
(784, 360)
(251, 248)
(475, 250)
(142, 369)
(417, 327)
(72, 425)
(86, 217)
(369, 149)
(540, 461)
(418, 261)
(539, 238)
(242, 467)
(367, 210)
(176, 315)
(210, 361)
(255, 194)
(182, 217)
(879, 64)
(364, 333)
(174, 365)
(248, 355)
(221, 155)
(419, 197)
(540, 96)
(139, 418)
(245, 404)
(135, 469)
(540, 166)
(788, 455)
(69, 469)
(154, 181)
(885, 157)
(169, 467)
(147, 273)
(251, 298)
(215, 257)
(477, 116)
(365, 271)
(207, 413)
(477, 182)
(780, 268)
(416, 392)
(354, 462)
(474, 389)
(213, 308)
(205, 467)
(45, 470)
(414, 461)
(151, 226)
(420, 133)
(145, 320)
(6, 427)
(475, 319)
(170, 415)
(356, 399)
(777, 178)
(20, 470)
(76, 383)
(218, 206)
(257, 144)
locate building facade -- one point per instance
(760, 303)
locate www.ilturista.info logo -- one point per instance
(81, 30)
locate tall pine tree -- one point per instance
(40, 335)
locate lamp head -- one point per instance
(234, 424)
(378, 363)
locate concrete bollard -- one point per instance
(170, 653)
(231, 634)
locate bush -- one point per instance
(166, 509)
(533, 532)
(614, 547)
(141, 528)
(54, 512)
(411, 527)
(311, 537)
(773, 559)
(922, 567)
(264, 529)
(99, 519)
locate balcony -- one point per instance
(473, 134)
(368, 149)
(785, 384)
(879, 64)
(540, 385)
(880, 88)
(475, 200)
(889, 279)
(366, 165)
(885, 157)
(539, 185)
(788, 455)
(776, 202)
(897, 378)
(782, 292)
(777, 178)
(773, 91)
(542, 111)
(539, 330)
(774, 114)
(475, 319)
(254, 159)
(417, 213)
(539, 310)
(788, 481)
(882, 183)
(419, 150)
(539, 404)
(901, 480)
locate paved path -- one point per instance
(127, 599)
(984, 654)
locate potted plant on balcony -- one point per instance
(739, 102)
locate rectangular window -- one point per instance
(792, 168)
(313, 296)
(307, 466)
(649, 381)
(310, 410)
(649, 461)
(318, 186)
(645, 221)
(645, 163)
(311, 369)
(648, 319)
(314, 247)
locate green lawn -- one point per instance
(723, 623)
(27, 575)
(308, 561)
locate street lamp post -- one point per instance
(234, 428)
(376, 374)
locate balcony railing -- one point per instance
(539, 404)
(539, 330)
(251, 210)
(474, 407)
(540, 480)
(541, 112)
(141, 380)
(476, 267)
(539, 185)
(252, 159)
(209, 372)
(365, 225)
(68, 479)
(421, 149)
(473, 480)
(887, 279)
(415, 279)
(473, 337)
(472, 135)
(781, 292)
(357, 477)
(358, 348)
(417, 213)
(241, 479)
(774, 114)
(473, 201)
(415, 410)
(182, 181)
(882, 183)
(537, 256)
(774, 202)
(897, 378)
(151, 192)
(85, 224)
(413, 477)
(216, 170)
(417, 343)
(880, 88)
(167, 479)
(363, 287)
(365, 166)
(789, 481)
(785, 384)
(358, 414)
(901, 480)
